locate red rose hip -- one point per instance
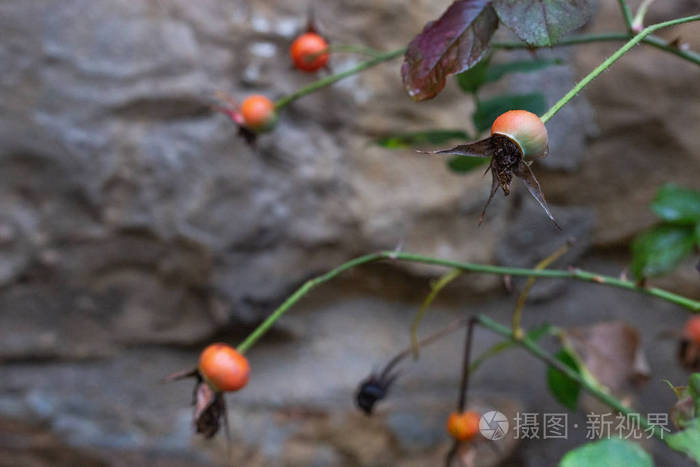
(525, 129)
(224, 368)
(258, 113)
(309, 52)
(691, 331)
(463, 426)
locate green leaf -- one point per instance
(465, 164)
(694, 390)
(564, 389)
(537, 333)
(497, 70)
(404, 140)
(660, 249)
(542, 22)
(471, 80)
(487, 111)
(677, 205)
(697, 234)
(608, 453)
(687, 441)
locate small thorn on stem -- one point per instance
(395, 253)
(623, 274)
(508, 282)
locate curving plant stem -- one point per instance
(592, 389)
(661, 44)
(520, 304)
(626, 13)
(435, 290)
(638, 20)
(612, 59)
(577, 274)
(351, 49)
(652, 40)
(328, 80)
(379, 58)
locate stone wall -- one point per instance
(135, 227)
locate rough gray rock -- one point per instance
(108, 145)
(135, 226)
(530, 237)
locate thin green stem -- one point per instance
(573, 40)
(328, 80)
(303, 290)
(638, 20)
(379, 58)
(577, 274)
(435, 290)
(353, 49)
(651, 39)
(661, 44)
(492, 351)
(610, 60)
(520, 304)
(594, 390)
(504, 345)
(626, 13)
(426, 341)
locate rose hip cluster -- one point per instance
(257, 113)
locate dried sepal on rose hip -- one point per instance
(463, 426)
(373, 389)
(516, 135)
(221, 369)
(376, 386)
(309, 52)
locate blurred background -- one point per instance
(136, 228)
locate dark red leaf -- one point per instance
(452, 44)
(542, 22)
